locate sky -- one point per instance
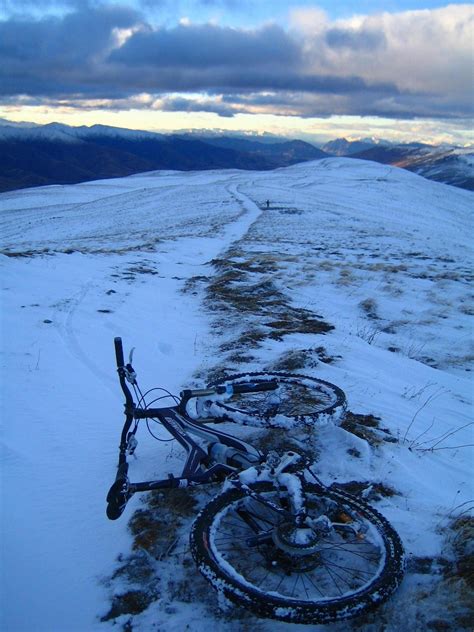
(399, 69)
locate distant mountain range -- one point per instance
(448, 164)
(33, 155)
(59, 154)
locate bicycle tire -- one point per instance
(299, 401)
(262, 580)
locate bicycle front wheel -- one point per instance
(298, 400)
(347, 563)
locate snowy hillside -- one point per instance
(443, 163)
(195, 272)
(450, 165)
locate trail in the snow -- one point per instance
(189, 270)
(251, 214)
(192, 262)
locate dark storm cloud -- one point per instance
(180, 104)
(309, 105)
(213, 59)
(215, 81)
(70, 56)
(54, 42)
(259, 80)
(109, 52)
(204, 46)
(58, 55)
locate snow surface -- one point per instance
(380, 253)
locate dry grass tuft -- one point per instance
(131, 602)
(367, 427)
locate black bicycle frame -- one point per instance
(197, 468)
(201, 466)
(224, 454)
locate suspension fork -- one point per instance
(282, 471)
(293, 485)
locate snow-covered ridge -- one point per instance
(68, 133)
(102, 151)
(53, 132)
(383, 255)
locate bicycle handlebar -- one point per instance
(245, 387)
(186, 395)
(121, 490)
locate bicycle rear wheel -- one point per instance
(349, 561)
(298, 400)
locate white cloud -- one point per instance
(429, 50)
(309, 21)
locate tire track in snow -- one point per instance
(66, 331)
(66, 318)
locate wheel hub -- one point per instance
(296, 541)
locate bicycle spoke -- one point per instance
(280, 582)
(294, 586)
(313, 584)
(304, 586)
(348, 569)
(364, 555)
(330, 573)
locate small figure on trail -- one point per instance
(268, 203)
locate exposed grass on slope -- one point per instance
(250, 308)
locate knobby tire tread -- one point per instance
(334, 411)
(280, 608)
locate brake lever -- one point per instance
(130, 374)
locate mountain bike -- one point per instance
(276, 540)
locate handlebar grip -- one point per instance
(119, 352)
(197, 392)
(254, 387)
